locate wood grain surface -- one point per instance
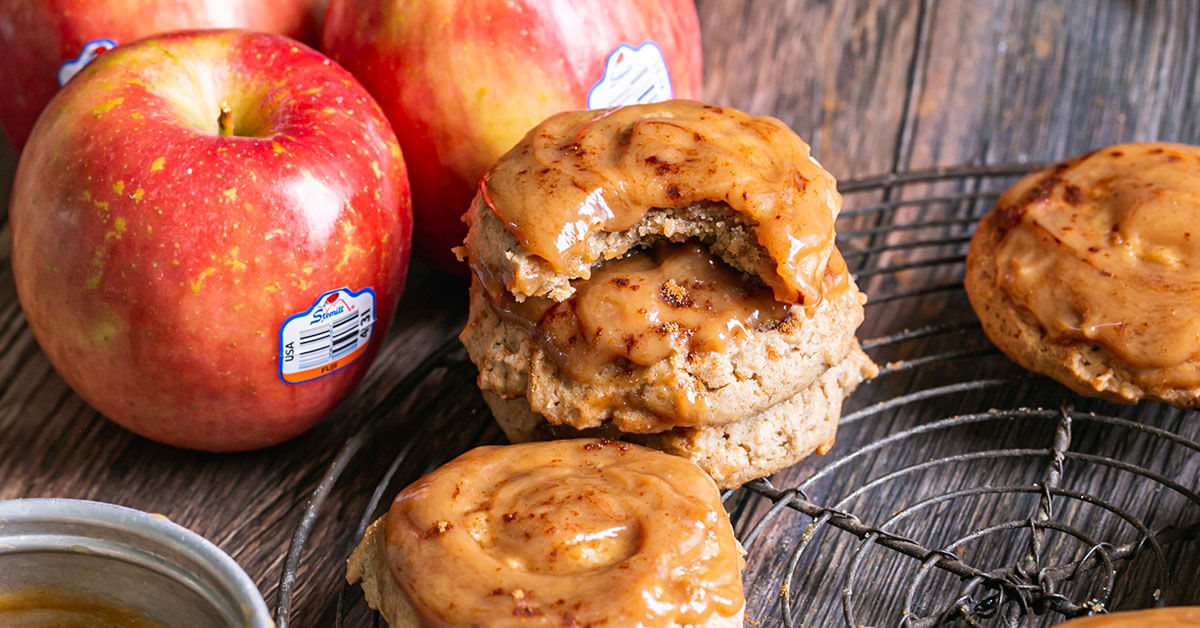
(876, 86)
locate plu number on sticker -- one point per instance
(330, 334)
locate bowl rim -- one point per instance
(154, 528)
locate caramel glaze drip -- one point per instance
(674, 299)
(1171, 617)
(62, 608)
(1109, 252)
(582, 172)
(565, 533)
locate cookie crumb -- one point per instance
(675, 295)
(439, 528)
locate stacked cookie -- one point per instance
(665, 274)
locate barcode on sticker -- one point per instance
(330, 334)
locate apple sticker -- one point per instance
(90, 50)
(632, 76)
(330, 334)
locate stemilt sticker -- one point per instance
(327, 336)
(632, 76)
(90, 51)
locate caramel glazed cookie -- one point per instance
(665, 274)
(583, 533)
(1088, 271)
(1169, 617)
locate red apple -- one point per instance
(210, 235)
(48, 40)
(463, 80)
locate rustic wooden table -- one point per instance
(876, 86)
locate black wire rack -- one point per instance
(962, 491)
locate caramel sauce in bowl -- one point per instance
(60, 608)
(63, 561)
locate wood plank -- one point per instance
(836, 72)
(1006, 81)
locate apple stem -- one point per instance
(225, 119)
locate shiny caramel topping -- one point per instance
(565, 533)
(584, 172)
(1176, 617)
(1105, 248)
(61, 608)
(672, 300)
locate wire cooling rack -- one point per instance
(962, 491)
